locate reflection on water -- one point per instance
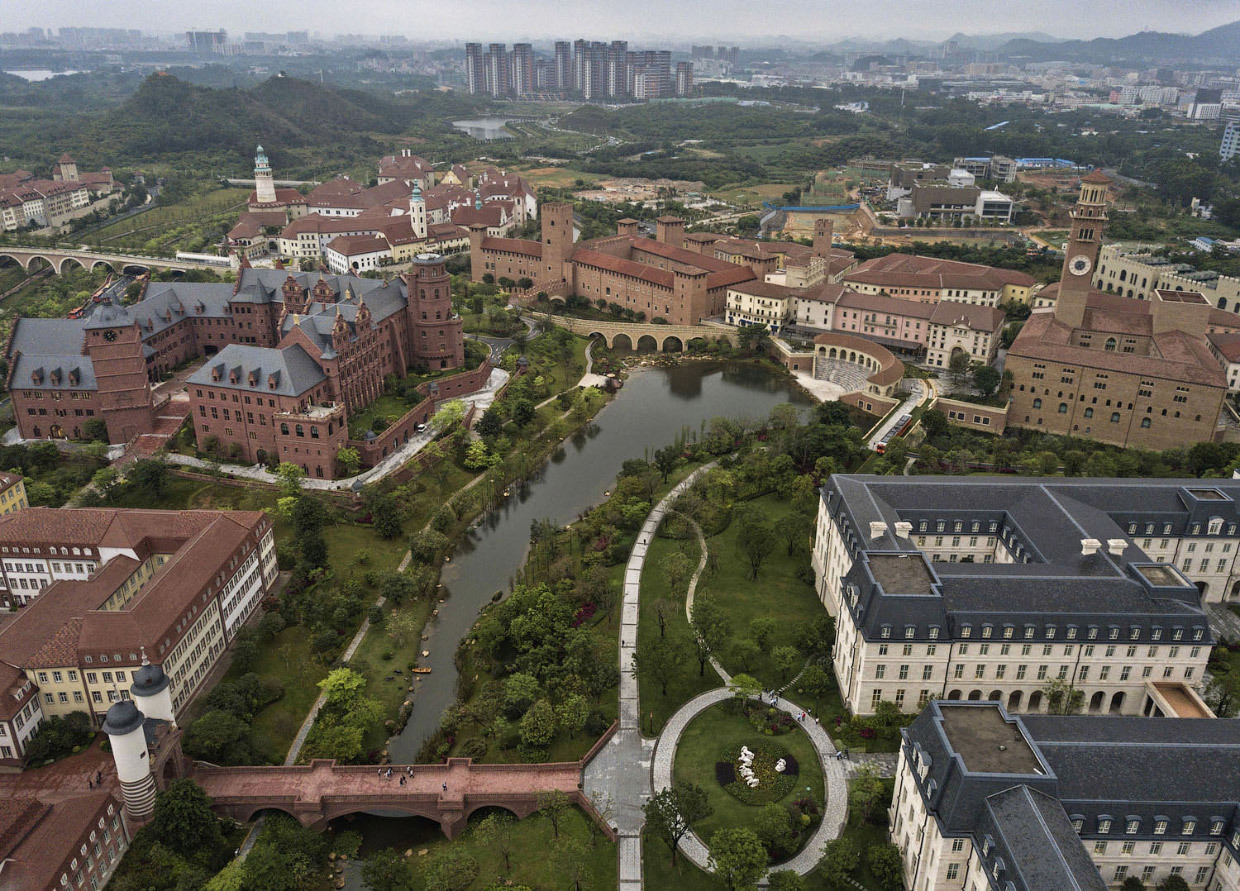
(485, 128)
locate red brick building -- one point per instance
(338, 340)
(658, 277)
(299, 344)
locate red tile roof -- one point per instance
(512, 246)
(976, 318)
(661, 278)
(352, 245)
(911, 271)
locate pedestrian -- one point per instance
(379, 772)
(402, 781)
(445, 787)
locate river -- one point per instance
(649, 411)
(486, 128)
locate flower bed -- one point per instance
(772, 785)
(769, 720)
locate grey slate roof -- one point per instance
(1086, 769)
(1036, 843)
(296, 372)
(1043, 522)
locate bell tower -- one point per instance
(417, 213)
(264, 179)
(1089, 220)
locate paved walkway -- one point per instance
(626, 771)
(619, 776)
(1223, 622)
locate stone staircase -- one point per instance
(172, 415)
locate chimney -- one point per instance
(1090, 546)
(877, 529)
(903, 529)
(1117, 546)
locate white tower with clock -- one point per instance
(1089, 220)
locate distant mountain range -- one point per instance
(1221, 44)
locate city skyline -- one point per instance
(804, 20)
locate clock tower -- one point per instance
(1089, 219)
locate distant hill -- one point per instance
(1220, 44)
(166, 115)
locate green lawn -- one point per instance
(703, 743)
(287, 660)
(382, 682)
(655, 707)
(193, 224)
(386, 406)
(777, 592)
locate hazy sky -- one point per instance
(740, 21)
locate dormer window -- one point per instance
(1104, 825)
(966, 630)
(885, 632)
(1131, 825)
(1190, 826)
(1078, 822)
(1160, 825)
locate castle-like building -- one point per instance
(659, 277)
(1123, 371)
(292, 355)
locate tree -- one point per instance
(387, 870)
(986, 379)
(451, 869)
(745, 653)
(711, 628)
(671, 812)
(958, 368)
(554, 805)
(737, 856)
(665, 460)
(385, 517)
(866, 793)
(349, 459)
(521, 690)
(219, 737)
(786, 658)
(341, 687)
(314, 549)
(886, 866)
(1222, 694)
(476, 456)
(572, 713)
(792, 530)
(289, 477)
(96, 430)
(522, 412)
(538, 726)
(676, 570)
(815, 681)
(839, 861)
(817, 638)
(1062, 698)
(786, 880)
(450, 414)
(573, 861)
(427, 545)
(744, 687)
(754, 537)
(761, 630)
(773, 826)
(183, 820)
(658, 661)
(491, 423)
(664, 610)
(1132, 883)
(106, 480)
(496, 832)
(148, 476)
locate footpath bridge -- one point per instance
(448, 793)
(59, 258)
(665, 338)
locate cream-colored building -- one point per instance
(12, 493)
(951, 588)
(985, 800)
(760, 303)
(1138, 274)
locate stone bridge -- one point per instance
(59, 258)
(665, 338)
(322, 790)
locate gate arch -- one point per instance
(679, 345)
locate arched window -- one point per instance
(1063, 408)
(283, 429)
(1089, 412)
(314, 432)
(1037, 403)
(1145, 423)
(1114, 417)
(1110, 345)
(300, 431)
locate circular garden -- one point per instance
(759, 770)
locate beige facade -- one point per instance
(1138, 274)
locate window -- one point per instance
(953, 871)
(957, 845)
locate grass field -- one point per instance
(704, 741)
(751, 193)
(558, 177)
(657, 708)
(781, 594)
(194, 224)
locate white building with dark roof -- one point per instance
(967, 588)
(987, 801)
